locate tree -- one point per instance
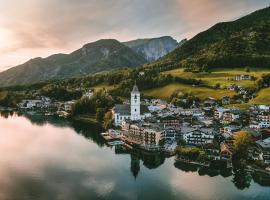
(241, 143)
(181, 142)
(203, 157)
(217, 86)
(188, 153)
(100, 114)
(247, 69)
(108, 120)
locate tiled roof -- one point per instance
(135, 89)
(124, 109)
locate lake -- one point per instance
(47, 158)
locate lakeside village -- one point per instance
(202, 134)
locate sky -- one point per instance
(39, 28)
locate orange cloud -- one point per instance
(45, 26)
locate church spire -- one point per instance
(135, 89)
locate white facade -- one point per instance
(135, 104)
(132, 111)
(198, 137)
(119, 118)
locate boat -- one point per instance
(116, 143)
(48, 114)
(111, 135)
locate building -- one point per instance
(230, 116)
(264, 149)
(88, 93)
(260, 120)
(172, 134)
(199, 137)
(218, 114)
(133, 111)
(226, 150)
(146, 135)
(225, 100)
(170, 121)
(243, 77)
(228, 131)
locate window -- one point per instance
(135, 110)
(135, 97)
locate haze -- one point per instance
(38, 28)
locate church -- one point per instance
(133, 111)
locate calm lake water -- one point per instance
(48, 158)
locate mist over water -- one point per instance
(49, 158)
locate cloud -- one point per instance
(36, 25)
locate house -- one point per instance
(206, 122)
(133, 111)
(264, 117)
(228, 131)
(225, 100)
(255, 134)
(68, 106)
(226, 150)
(264, 149)
(88, 93)
(189, 112)
(170, 121)
(210, 101)
(260, 120)
(172, 133)
(218, 114)
(213, 151)
(199, 137)
(146, 135)
(234, 87)
(141, 73)
(230, 116)
(243, 77)
(30, 104)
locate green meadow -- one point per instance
(224, 77)
(201, 92)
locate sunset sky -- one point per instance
(32, 28)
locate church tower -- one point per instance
(135, 103)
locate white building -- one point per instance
(133, 111)
(199, 137)
(219, 112)
(264, 149)
(242, 77)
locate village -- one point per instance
(158, 126)
(155, 125)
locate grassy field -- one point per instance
(201, 92)
(103, 86)
(263, 97)
(224, 77)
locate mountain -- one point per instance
(102, 55)
(182, 42)
(153, 48)
(243, 42)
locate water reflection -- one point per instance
(50, 158)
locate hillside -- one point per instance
(102, 55)
(154, 48)
(244, 42)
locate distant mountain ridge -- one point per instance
(102, 55)
(154, 48)
(240, 43)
